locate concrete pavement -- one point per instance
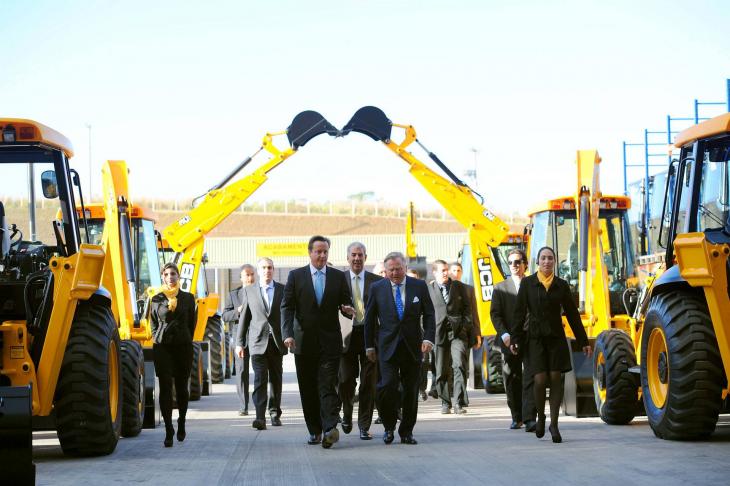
(477, 448)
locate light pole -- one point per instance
(472, 174)
(88, 126)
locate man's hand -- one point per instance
(348, 310)
(289, 343)
(514, 349)
(426, 347)
(479, 343)
(371, 355)
(506, 340)
(240, 352)
(587, 350)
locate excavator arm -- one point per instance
(485, 230)
(186, 235)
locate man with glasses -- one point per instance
(520, 397)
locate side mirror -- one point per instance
(49, 184)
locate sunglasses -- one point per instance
(515, 262)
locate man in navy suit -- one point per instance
(400, 304)
(314, 296)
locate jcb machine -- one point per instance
(684, 319)
(186, 238)
(415, 261)
(485, 231)
(591, 237)
(60, 345)
(127, 235)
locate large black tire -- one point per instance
(681, 369)
(615, 388)
(88, 396)
(215, 336)
(492, 364)
(196, 373)
(133, 382)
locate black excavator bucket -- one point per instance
(370, 121)
(307, 125)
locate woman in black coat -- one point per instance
(541, 300)
(172, 318)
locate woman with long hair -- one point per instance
(172, 318)
(542, 299)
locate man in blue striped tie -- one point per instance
(314, 296)
(393, 314)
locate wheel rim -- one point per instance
(140, 400)
(113, 380)
(657, 365)
(601, 375)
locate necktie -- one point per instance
(359, 310)
(319, 286)
(265, 295)
(445, 293)
(398, 302)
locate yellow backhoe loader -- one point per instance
(59, 342)
(683, 318)
(414, 260)
(591, 237)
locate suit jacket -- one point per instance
(476, 322)
(257, 323)
(456, 315)
(315, 328)
(173, 327)
(504, 301)
(235, 300)
(543, 311)
(381, 307)
(346, 323)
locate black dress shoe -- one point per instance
(169, 434)
(423, 396)
(388, 436)
(330, 437)
(515, 425)
(433, 394)
(181, 430)
(275, 421)
(347, 427)
(314, 439)
(408, 439)
(540, 428)
(530, 426)
(365, 435)
(378, 420)
(555, 433)
(259, 424)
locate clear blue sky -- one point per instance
(184, 90)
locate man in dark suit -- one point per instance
(314, 296)
(260, 328)
(518, 386)
(354, 362)
(454, 332)
(456, 272)
(394, 311)
(231, 315)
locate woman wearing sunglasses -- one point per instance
(542, 299)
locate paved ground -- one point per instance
(222, 448)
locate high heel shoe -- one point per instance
(169, 434)
(180, 430)
(540, 429)
(555, 433)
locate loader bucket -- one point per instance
(370, 121)
(307, 125)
